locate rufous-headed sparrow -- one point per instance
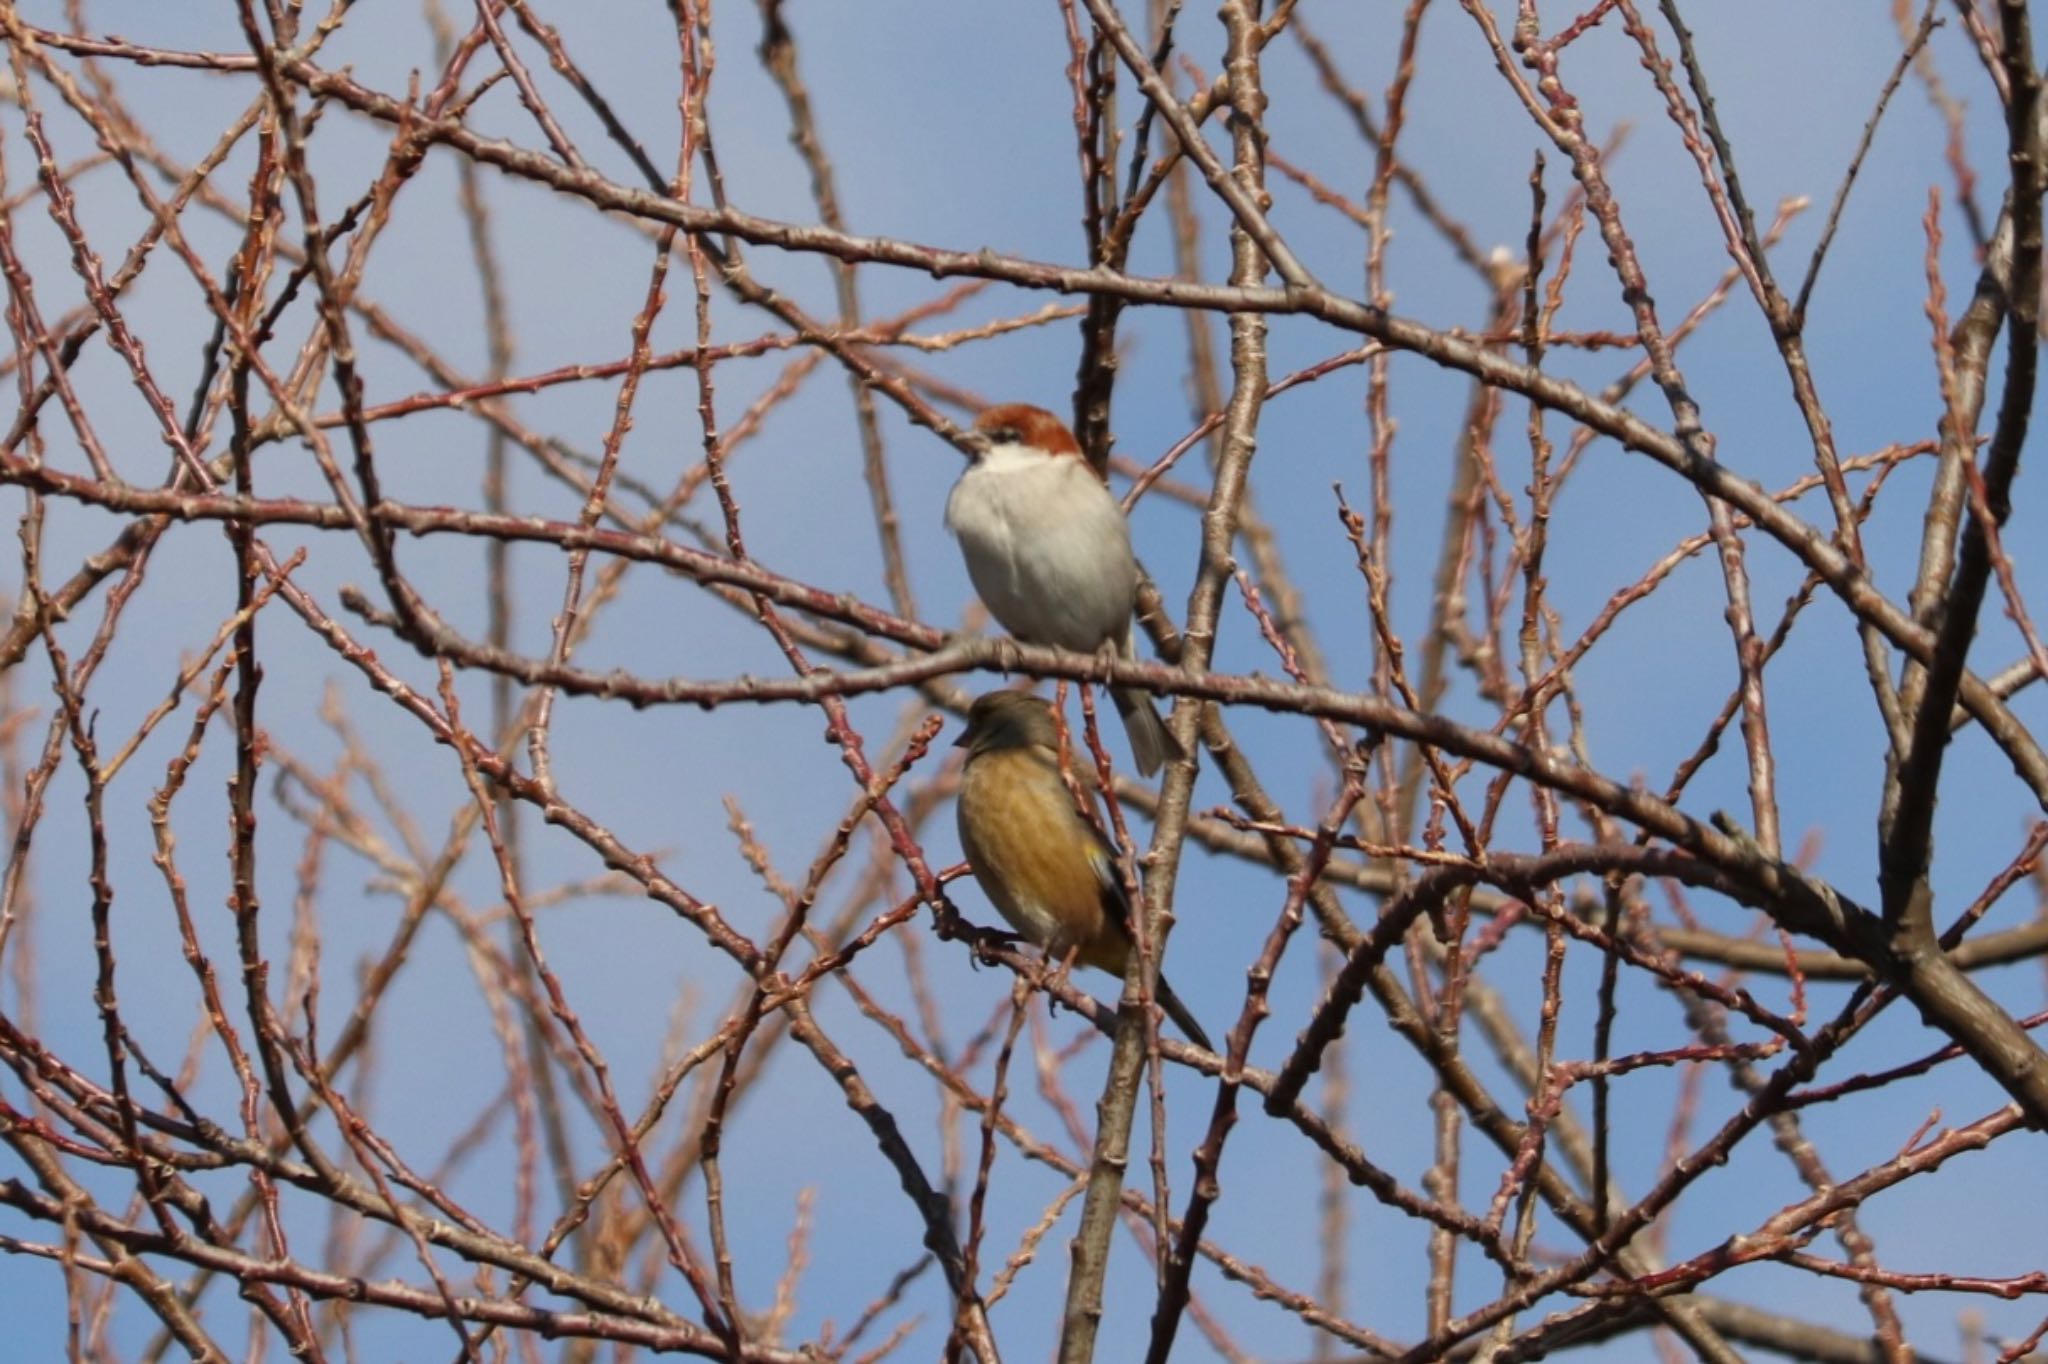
(1049, 871)
(1050, 553)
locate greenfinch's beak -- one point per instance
(965, 736)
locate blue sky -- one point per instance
(951, 124)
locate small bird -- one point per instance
(1048, 870)
(1050, 553)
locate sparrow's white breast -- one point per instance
(1046, 545)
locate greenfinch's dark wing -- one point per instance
(1102, 858)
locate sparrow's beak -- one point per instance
(965, 735)
(975, 443)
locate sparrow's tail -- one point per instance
(1182, 1019)
(1151, 745)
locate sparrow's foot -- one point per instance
(1108, 652)
(1006, 655)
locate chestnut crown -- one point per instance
(1023, 424)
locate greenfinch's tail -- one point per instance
(1182, 1019)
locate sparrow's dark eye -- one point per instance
(1004, 435)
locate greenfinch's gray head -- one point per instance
(1008, 719)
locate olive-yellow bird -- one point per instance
(1048, 870)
